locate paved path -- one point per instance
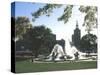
(67, 61)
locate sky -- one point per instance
(62, 31)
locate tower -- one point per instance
(76, 36)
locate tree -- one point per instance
(39, 39)
(90, 19)
(21, 26)
(89, 43)
(46, 10)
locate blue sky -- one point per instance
(62, 31)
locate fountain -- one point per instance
(70, 51)
(57, 53)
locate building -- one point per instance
(76, 36)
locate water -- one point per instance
(69, 51)
(57, 50)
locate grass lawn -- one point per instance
(25, 66)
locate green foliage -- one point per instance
(89, 43)
(39, 40)
(67, 14)
(21, 26)
(90, 19)
(46, 10)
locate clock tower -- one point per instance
(76, 36)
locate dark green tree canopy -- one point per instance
(89, 43)
(39, 39)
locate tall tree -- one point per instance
(21, 25)
(39, 39)
(89, 43)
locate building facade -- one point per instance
(76, 37)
